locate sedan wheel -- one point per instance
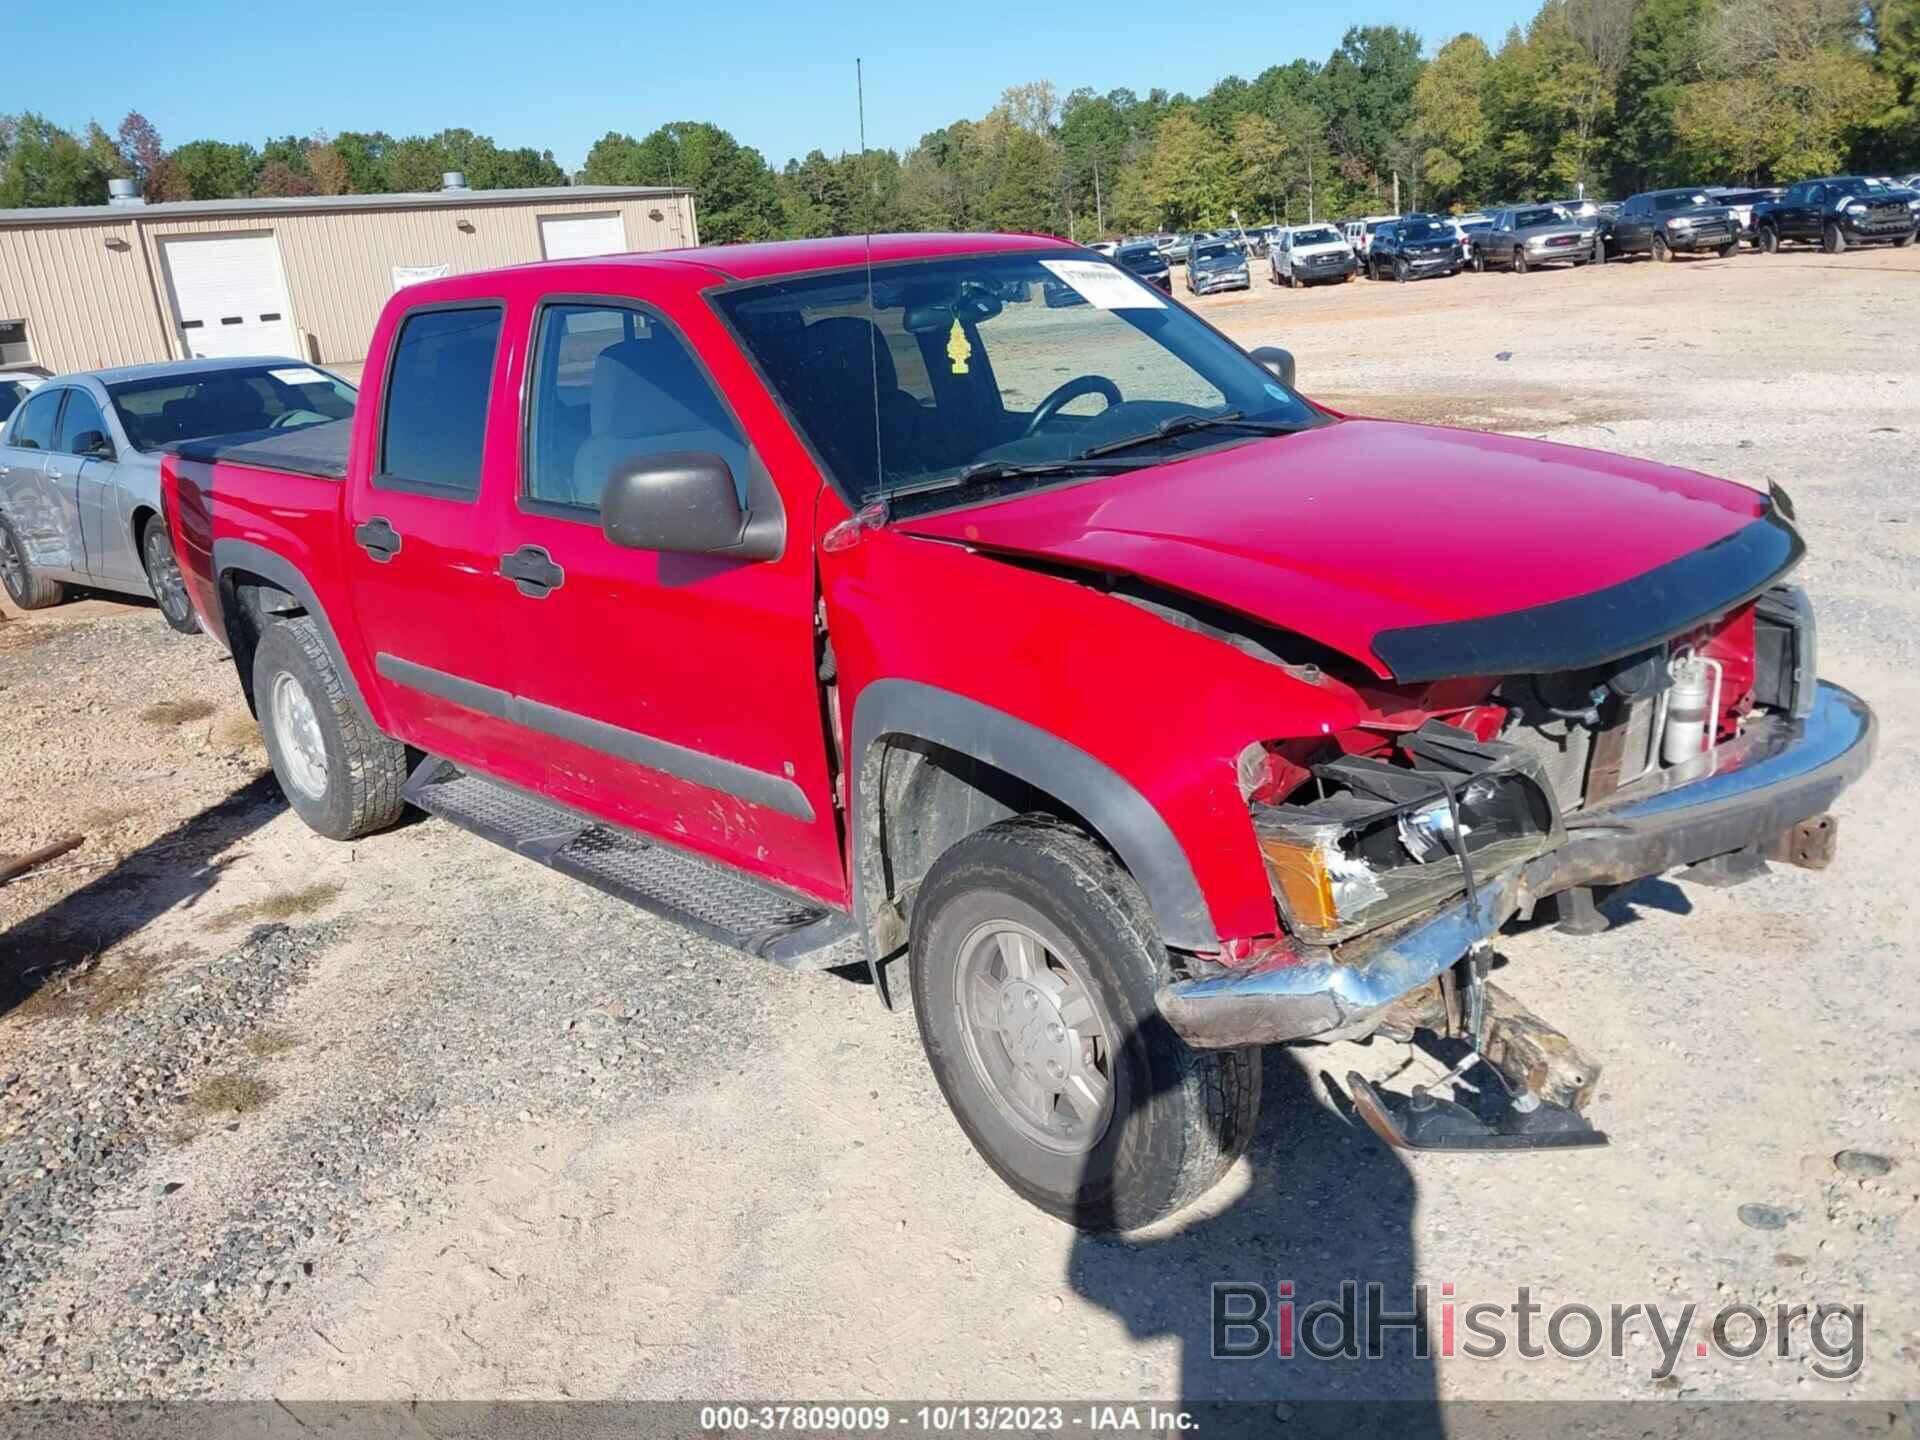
(164, 578)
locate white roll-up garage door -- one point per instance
(572, 237)
(229, 294)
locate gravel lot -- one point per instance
(412, 1118)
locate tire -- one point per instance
(163, 578)
(1832, 241)
(1900, 242)
(1662, 251)
(1035, 897)
(1599, 249)
(1726, 250)
(26, 589)
(1402, 272)
(1769, 239)
(1478, 263)
(1519, 262)
(361, 771)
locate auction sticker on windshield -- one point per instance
(1105, 286)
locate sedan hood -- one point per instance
(1422, 552)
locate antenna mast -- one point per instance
(866, 225)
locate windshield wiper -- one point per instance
(1020, 469)
(1187, 424)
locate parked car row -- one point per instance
(80, 466)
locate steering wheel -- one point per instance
(296, 417)
(1066, 394)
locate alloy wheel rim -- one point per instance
(1039, 1043)
(302, 747)
(12, 566)
(163, 571)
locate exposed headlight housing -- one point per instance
(1380, 841)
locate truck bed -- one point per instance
(316, 450)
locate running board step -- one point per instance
(718, 902)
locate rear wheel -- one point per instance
(1769, 239)
(1034, 966)
(1832, 241)
(341, 775)
(1479, 263)
(164, 578)
(26, 589)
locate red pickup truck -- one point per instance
(965, 598)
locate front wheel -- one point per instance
(1402, 272)
(1599, 249)
(1726, 250)
(1900, 242)
(1519, 262)
(1832, 241)
(1662, 251)
(1034, 964)
(342, 776)
(1769, 239)
(164, 579)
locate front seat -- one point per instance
(647, 399)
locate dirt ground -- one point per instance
(412, 1118)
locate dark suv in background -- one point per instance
(1414, 246)
(1837, 211)
(1144, 259)
(1662, 223)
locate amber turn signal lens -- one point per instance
(1300, 876)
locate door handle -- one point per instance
(532, 571)
(379, 539)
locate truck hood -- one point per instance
(1420, 551)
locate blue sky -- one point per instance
(777, 73)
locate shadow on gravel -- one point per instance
(175, 869)
(1328, 1215)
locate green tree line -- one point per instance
(1610, 95)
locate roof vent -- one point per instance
(454, 180)
(124, 192)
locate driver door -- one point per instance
(85, 449)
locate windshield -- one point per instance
(1522, 219)
(1856, 186)
(1141, 257)
(1213, 250)
(966, 361)
(1321, 236)
(1683, 200)
(1424, 230)
(164, 409)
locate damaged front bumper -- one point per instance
(1741, 795)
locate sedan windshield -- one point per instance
(163, 409)
(1140, 257)
(965, 366)
(1213, 250)
(1321, 236)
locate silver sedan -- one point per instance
(80, 468)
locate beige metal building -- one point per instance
(128, 282)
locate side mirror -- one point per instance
(93, 444)
(684, 502)
(1276, 362)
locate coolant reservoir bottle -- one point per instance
(1685, 735)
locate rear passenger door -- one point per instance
(38, 503)
(422, 545)
(678, 694)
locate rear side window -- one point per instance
(33, 430)
(433, 430)
(613, 384)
